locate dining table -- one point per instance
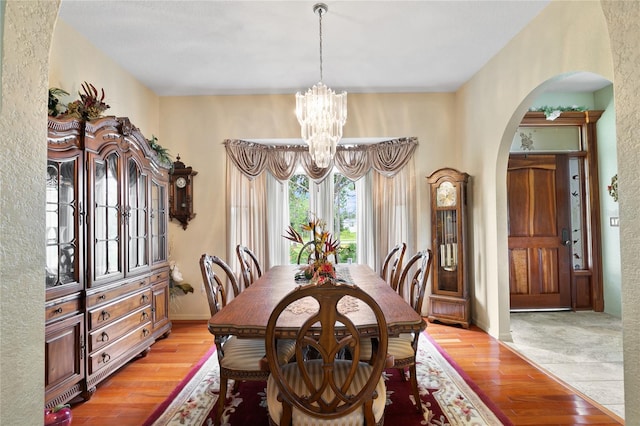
(248, 313)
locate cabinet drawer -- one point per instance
(109, 313)
(109, 354)
(63, 309)
(160, 275)
(107, 296)
(114, 331)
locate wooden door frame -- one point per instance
(592, 275)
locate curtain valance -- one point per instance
(352, 160)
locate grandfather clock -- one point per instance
(449, 300)
(181, 193)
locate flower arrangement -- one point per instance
(176, 282)
(90, 106)
(323, 245)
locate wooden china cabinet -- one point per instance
(107, 272)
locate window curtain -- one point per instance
(258, 202)
(394, 209)
(247, 218)
(354, 161)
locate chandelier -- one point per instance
(321, 113)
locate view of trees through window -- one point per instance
(343, 208)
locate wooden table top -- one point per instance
(247, 315)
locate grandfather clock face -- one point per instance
(446, 195)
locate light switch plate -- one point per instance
(614, 221)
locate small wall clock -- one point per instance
(181, 193)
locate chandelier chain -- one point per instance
(320, 10)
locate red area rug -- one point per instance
(447, 395)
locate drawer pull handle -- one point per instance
(106, 358)
(104, 337)
(102, 297)
(58, 311)
(105, 315)
(144, 316)
(144, 298)
(145, 332)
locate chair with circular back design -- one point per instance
(327, 390)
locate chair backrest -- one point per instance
(249, 265)
(214, 284)
(415, 275)
(392, 265)
(307, 254)
(327, 387)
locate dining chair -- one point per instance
(392, 265)
(307, 254)
(327, 389)
(402, 349)
(239, 359)
(249, 265)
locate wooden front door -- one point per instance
(539, 232)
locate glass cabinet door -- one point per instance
(136, 217)
(106, 226)
(158, 222)
(447, 244)
(63, 227)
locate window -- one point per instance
(334, 204)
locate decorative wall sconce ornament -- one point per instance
(321, 113)
(613, 188)
(181, 193)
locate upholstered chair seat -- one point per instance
(402, 349)
(293, 377)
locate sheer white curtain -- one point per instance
(394, 213)
(365, 247)
(278, 214)
(247, 217)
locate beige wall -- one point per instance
(195, 128)
(74, 60)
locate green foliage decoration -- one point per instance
(553, 112)
(161, 152)
(55, 107)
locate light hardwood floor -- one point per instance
(525, 394)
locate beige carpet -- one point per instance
(583, 349)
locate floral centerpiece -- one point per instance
(323, 245)
(90, 105)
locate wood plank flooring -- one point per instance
(525, 394)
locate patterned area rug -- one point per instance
(448, 397)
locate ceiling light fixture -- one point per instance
(321, 113)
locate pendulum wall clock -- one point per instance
(181, 193)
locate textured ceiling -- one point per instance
(270, 47)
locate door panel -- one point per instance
(539, 262)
